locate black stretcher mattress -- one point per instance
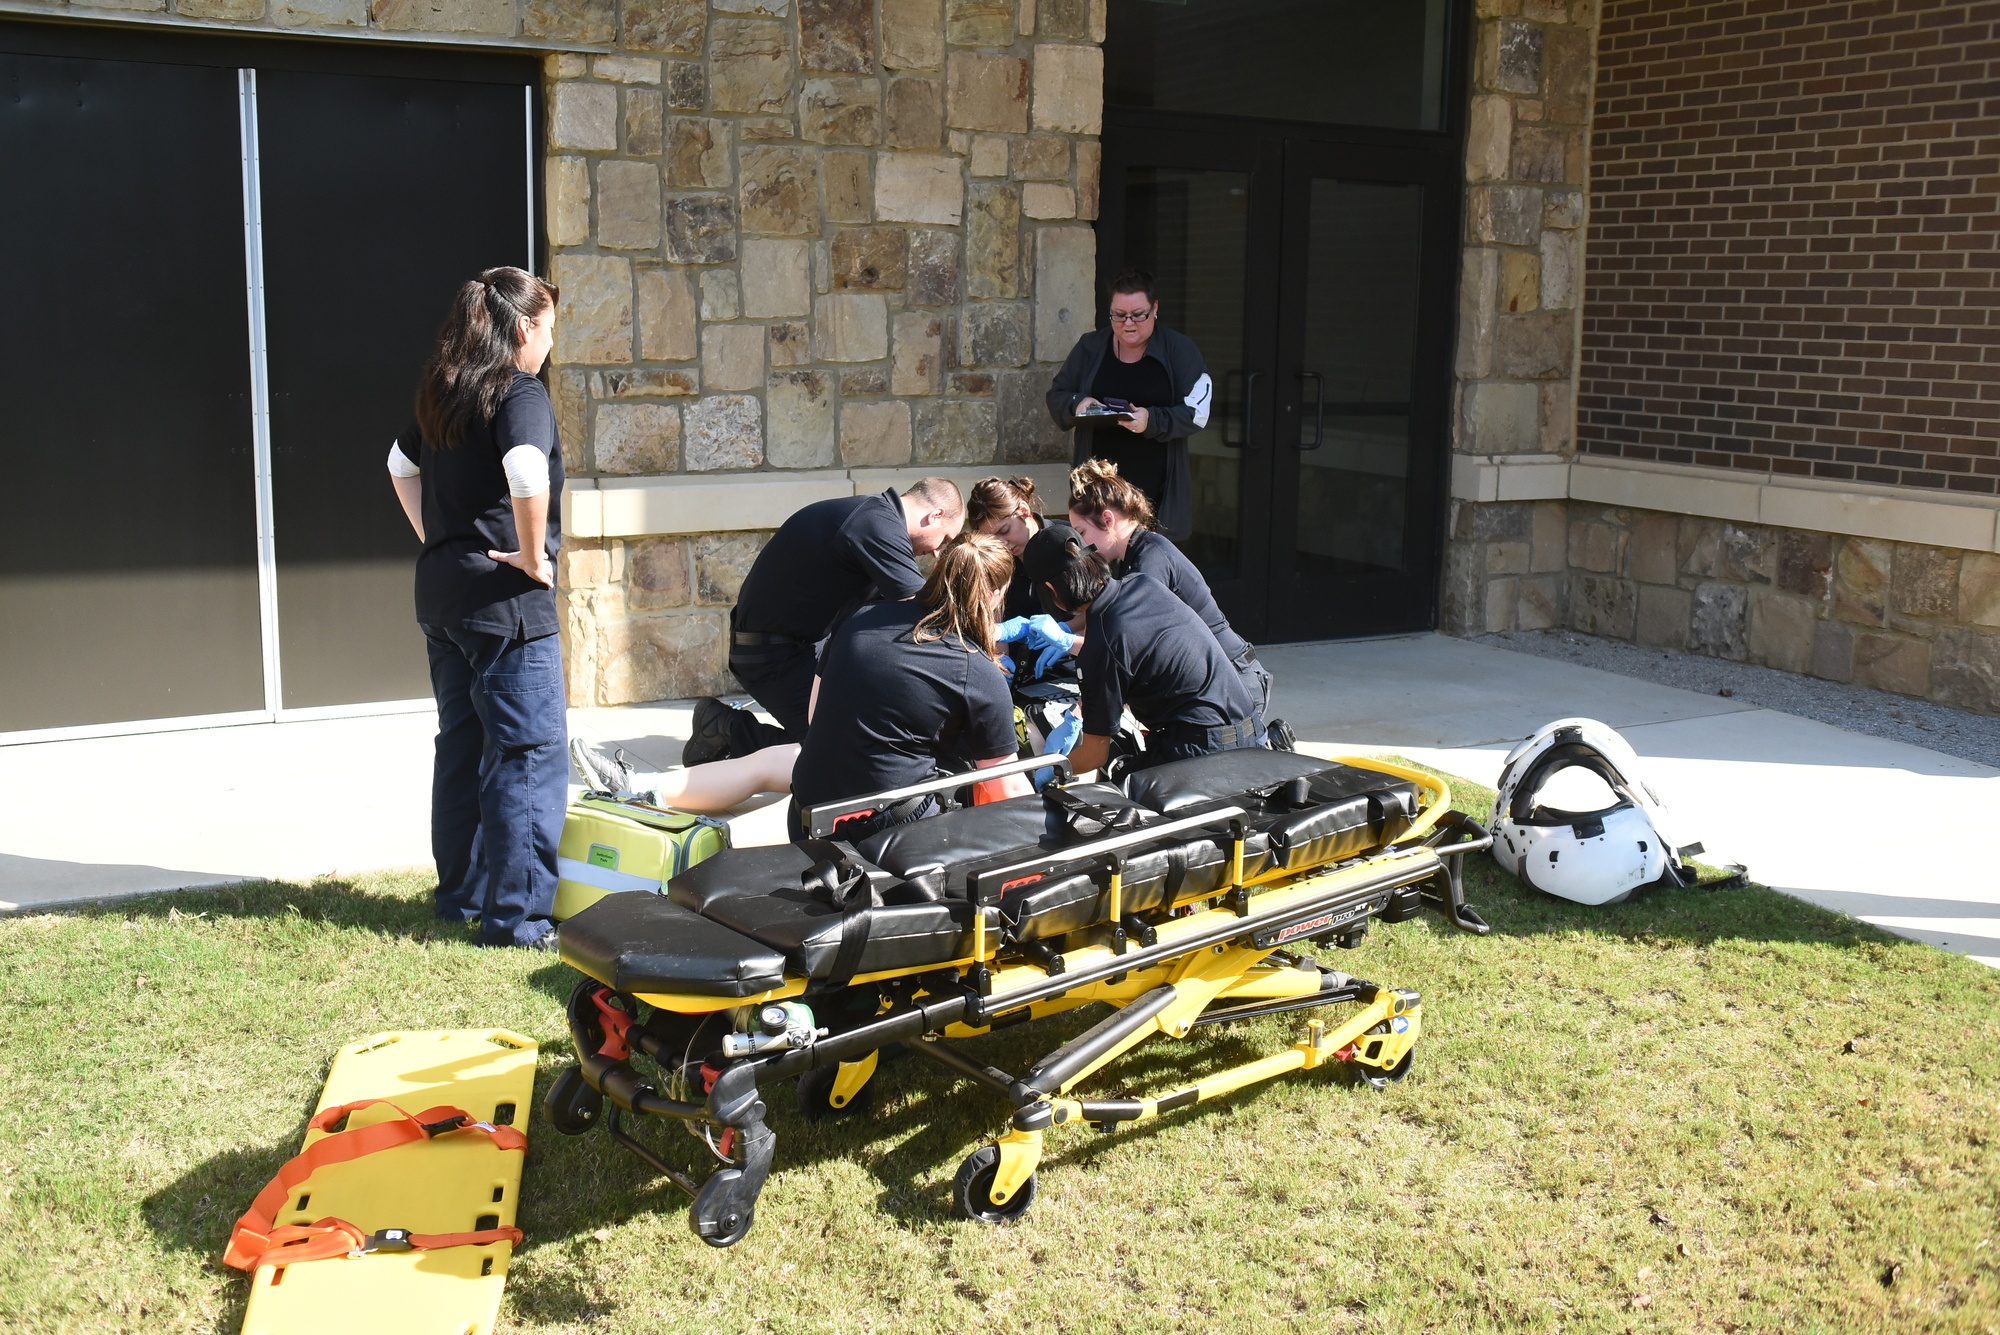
(731, 925)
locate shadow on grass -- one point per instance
(392, 905)
(1696, 915)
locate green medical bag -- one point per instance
(608, 846)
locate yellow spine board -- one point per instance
(454, 1184)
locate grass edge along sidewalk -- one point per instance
(1706, 1110)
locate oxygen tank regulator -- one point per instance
(778, 1027)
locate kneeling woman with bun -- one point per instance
(902, 688)
(1116, 518)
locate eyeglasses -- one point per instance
(1132, 317)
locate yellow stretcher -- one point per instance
(453, 1180)
(1181, 898)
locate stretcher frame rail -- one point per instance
(820, 820)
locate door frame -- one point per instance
(1213, 150)
(1433, 158)
(247, 54)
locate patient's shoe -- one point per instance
(601, 773)
(1279, 735)
(710, 738)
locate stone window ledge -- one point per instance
(1848, 509)
(644, 507)
(111, 16)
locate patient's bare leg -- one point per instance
(722, 784)
(716, 786)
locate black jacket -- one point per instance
(1173, 424)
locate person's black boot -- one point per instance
(1280, 735)
(709, 739)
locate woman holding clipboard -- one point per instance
(1134, 392)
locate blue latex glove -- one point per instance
(1007, 664)
(1060, 739)
(1051, 639)
(1013, 628)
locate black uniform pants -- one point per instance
(1185, 743)
(780, 678)
(1257, 680)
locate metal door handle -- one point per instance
(1319, 408)
(1249, 397)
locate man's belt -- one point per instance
(757, 639)
(1227, 738)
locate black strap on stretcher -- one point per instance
(838, 876)
(1071, 810)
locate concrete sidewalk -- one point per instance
(1891, 833)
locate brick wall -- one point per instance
(1795, 231)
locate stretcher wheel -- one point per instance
(571, 1105)
(971, 1189)
(735, 1235)
(1375, 1077)
(816, 1096)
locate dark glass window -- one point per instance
(1349, 62)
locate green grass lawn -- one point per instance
(1709, 1110)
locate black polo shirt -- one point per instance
(890, 706)
(469, 512)
(1145, 648)
(824, 561)
(1150, 554)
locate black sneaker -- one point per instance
(1280, 735)
(710, 738)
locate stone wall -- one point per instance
(803, 235)
(1520, 297)
(649, 616)
(1915, 620)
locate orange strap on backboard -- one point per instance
(329, 1238)
(256, 1231)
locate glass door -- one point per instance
(1190, 212)
(1290, 172)
(1364, 387)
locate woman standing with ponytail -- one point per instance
(479, 473)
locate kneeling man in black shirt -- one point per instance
(824, 562)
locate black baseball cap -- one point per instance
(1050, 553)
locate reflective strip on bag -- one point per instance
(603, 878)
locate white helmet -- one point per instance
(1591, 857)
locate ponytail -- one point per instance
(995, 498)
(961, 585)
(473, 367)
(1094, 487)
